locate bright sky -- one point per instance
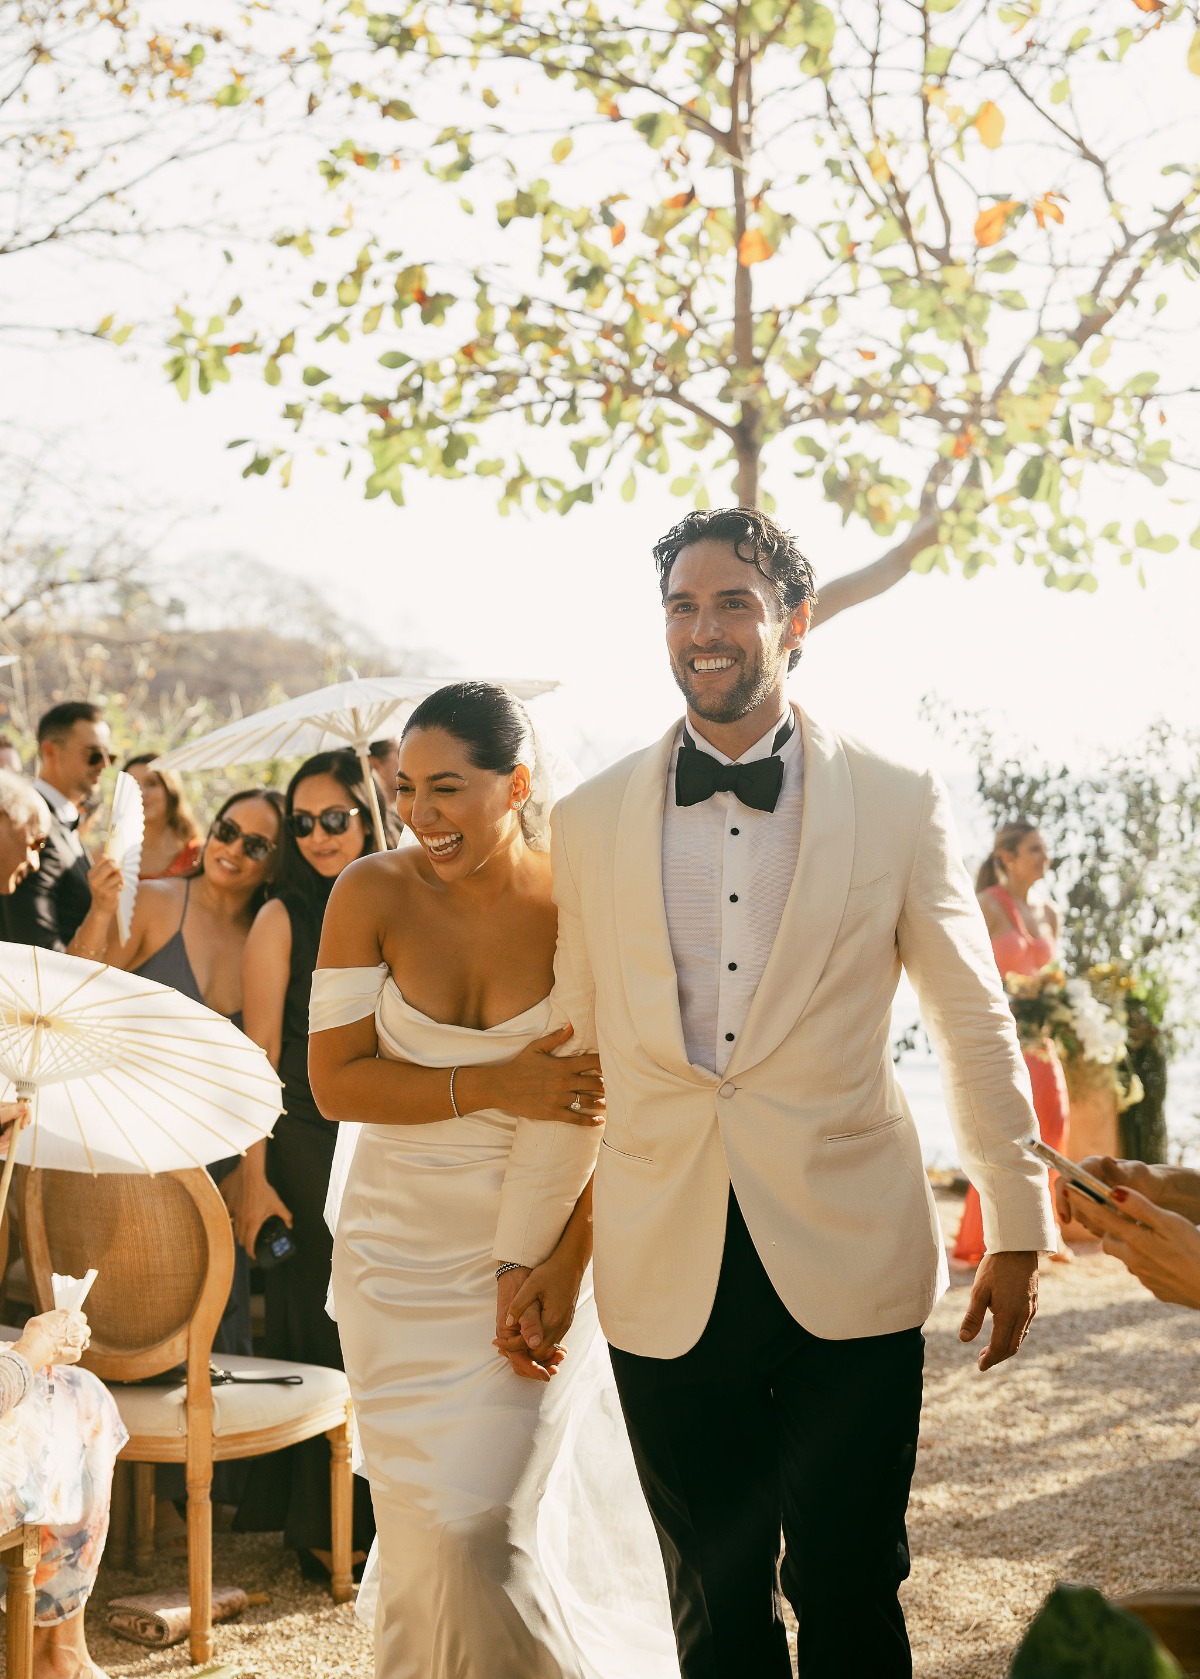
(576, 599)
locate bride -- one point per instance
(513, 1541)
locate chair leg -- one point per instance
(341, 1485)
(143, 1518)
(199, 1537)
(21, 1561)
(120, 1515)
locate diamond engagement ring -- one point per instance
(576, 1106)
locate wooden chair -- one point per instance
(164, 1250)
(19, 1553)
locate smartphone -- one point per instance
(1075, 1175)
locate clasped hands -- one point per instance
(534, 1310)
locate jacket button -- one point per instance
(727, 1090)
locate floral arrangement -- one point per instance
(1084, 1018)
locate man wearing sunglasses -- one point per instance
(74, 750)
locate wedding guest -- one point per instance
(383, 757)
(1154, 1233)
(1024, 934)
(74, 750)
(10, 758)
(190, 934)
(24, 825)
(172, 840)
(327, 825)
(44, 1402)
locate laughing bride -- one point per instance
(513, 1541)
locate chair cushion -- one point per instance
(238, 1408)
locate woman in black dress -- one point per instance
(327, 825)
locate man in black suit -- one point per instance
(74, 751)
(24, 825)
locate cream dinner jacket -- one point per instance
(808, 1122)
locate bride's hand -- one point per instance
(513, 1347)
(537, 1084)
(542, 1308)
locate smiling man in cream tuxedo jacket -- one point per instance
(735, 906)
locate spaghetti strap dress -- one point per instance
(171, 965)
(513, 1540)
(1017, 951)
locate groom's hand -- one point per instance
(1007, 1285)
(522, 1361)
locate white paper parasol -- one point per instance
(349, 714)
(122, 1074)
(126, 831)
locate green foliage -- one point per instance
(1124, 834)
(802, 243)
(1077, 1634)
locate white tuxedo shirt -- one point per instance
(727, 870)
(806, 1119)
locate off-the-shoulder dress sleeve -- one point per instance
(340, 996)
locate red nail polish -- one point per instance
(1120, 1194)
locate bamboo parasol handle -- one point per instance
(373, 790)
(24, 1092)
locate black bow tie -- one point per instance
(698, 775)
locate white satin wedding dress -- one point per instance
(513, 1540)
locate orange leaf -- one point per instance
(867, 355)
(680, 201)
(1151, 5)
(989, 124)
(754, 246)
(618, 232)
(1046, 207)
(878, 164)
(990, 223)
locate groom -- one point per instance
(735, 906)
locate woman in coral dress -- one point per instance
(1024, 940)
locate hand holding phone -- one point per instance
(1073, 1173)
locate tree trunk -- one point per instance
(747, 474)
(878, 577)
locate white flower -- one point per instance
(1101, 1038)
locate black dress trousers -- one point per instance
(760, 1428)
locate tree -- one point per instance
(1124, 834)
(105, 112)
(906, 250)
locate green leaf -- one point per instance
(235, 93)
(314, 376)
(1193, 57)
(1060, 91)
(196, 56)
(942, 5)
(271, 372)
(562, 149)
(372, 317)
(629, 490)
(394, 358)
(1078, 1635)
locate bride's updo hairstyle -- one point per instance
(495, 729)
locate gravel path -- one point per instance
(1080, 1460)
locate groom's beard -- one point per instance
(749, 688)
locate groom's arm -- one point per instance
(550, 1163)
(945, 949)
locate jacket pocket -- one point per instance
(870, 1131)
(623, 1154)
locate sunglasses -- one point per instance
(335, 820)
(98, 757)
(256, 846)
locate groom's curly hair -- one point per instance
(773, 552)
